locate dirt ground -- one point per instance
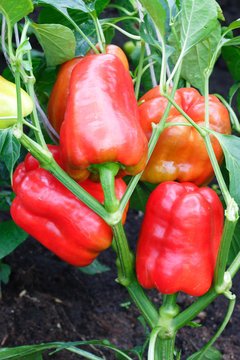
(48, 300)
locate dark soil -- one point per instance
(48, 300)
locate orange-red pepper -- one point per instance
(101, 123)
(180, 153)
(58, 98)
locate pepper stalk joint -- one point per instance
(226, 284)
(231, 212)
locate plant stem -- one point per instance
(19, 100)
(131, 36)
(235, 266)
(81, 32)
(127, 277)
(107, 172)
(217, 171)
(34, 116)
(222, 327)
(233, 116)
(125, 256)
(193, 310)
(143, 303)
(224, 247)
(196, 126)
(100, 36)
(140, 69)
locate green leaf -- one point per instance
(21, 352)
(193, 324)
(85, 6)
(63, 4)
(5, 272)
(9, 148)
(158, 14)
(57, 41)
(198, 57)
(198, 19)
(37, 356)
(90, 31)
(233, 90)
(231, 148)
(15, 10)
(231, 56)
(50, 15)
(232, 42)
(211, 354)
(94, 268)
(24, 352)
(234, 25)
(5, 199)
(11, 237)
(238, 101)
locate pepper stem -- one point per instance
(107, 173)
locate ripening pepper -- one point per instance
(58, 98)
(8, 103)
(49, 212)
(180, 153)
(102, 121)
(179, 239)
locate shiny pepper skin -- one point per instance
(180, 153)
(8, 103)
(49, 212)
(179, 239)
(58, 99)
(102, 120)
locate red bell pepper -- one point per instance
(58, 99)
(179, 239)
(49, 212)
(180, 153)
(102, 121)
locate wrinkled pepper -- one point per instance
(180, 153)
(49, 212)
(179, 239)
(58, 98)
(101, 123)
(8, 103)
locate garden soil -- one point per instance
(48, 300)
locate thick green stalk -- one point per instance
(143, 303)
(125, 256)
(127, 277)
(107, 173)
(193, 310)
(223, 251)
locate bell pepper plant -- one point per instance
(141, 130)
